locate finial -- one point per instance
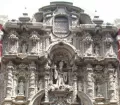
(24, 17)
(25, 12)
(96, 19)
(96, 15)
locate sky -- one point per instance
(108, 10)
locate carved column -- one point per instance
(111, 90)
(10, 68)
(32, 68)
(46, 78)
(74, 87)
(90, 83)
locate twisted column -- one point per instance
(46, 78)
(9, 80)
(111, 90)
(90, 84)
(75, 88)
(32, 68)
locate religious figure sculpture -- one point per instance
(13, 42)
(59, 74)
(108, 46)
(88, 45)
(34, 39)
(97, 50)
(21, 87)
(24, 48)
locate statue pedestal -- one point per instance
(46, 103)
(99, 101)
(113, 102)
(75, 103)
(20, 97)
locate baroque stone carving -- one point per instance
(90, 81)
(111, 71)
(10, 68)
(88, 45)
(34, 41)
(109, 51)
(24, 48)
(13, 42)
(32, 68)
(21, 87)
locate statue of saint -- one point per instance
(59, 74)
(24, 48)
(21, 87)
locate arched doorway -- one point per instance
(82, 99)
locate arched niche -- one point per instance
(61, 51)
(21, 85)
(82, 99)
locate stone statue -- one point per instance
(24, 48)
(21, 87)
(13, 39)
(34, 40)
(88, 45)
(59, 75)
(97, 50)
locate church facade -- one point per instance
(59, 57)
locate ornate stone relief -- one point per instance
(108, 43)
(90, 81)
(10, 68)
(13, 42)
(34, 42)
(111, 71)
(99, 80)
(88, 47)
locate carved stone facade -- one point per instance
(60, 57)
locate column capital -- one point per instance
(89, 67)
(10, 65)
(32, 66)
(110, 68)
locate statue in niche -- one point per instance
(108, 46)
(88, 45)
(98, 87)
(24, 47)
(60, 76)
(13, 42)
(34, 39)
(97, 50)
(21, 87)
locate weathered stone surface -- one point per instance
(59, 57)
